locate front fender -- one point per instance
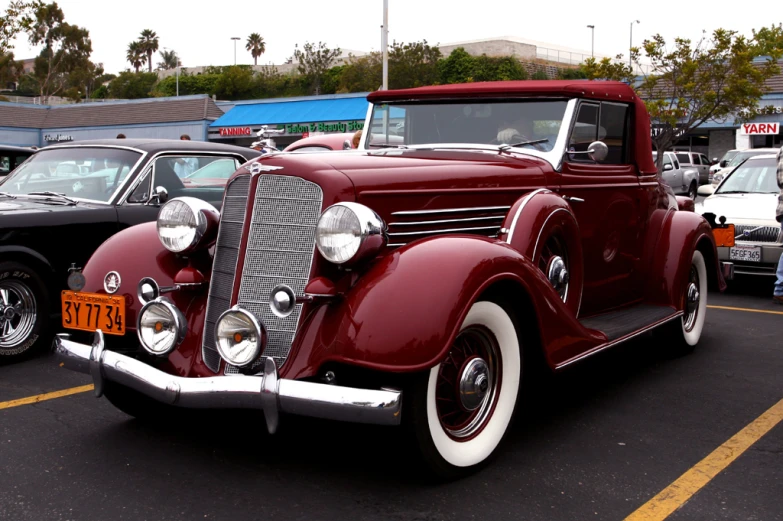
(681, 233)
(404, 313)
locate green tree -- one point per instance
(170, 60)
(66, 48)
(461, 67)
(188, 84)
(149, 44)
(314, 60)
(130, 85)
(720, 77)
(413, 65)
(86, 78)
(540, 75)
(17, 19)
(361, 73)
(135, 55)
(256, 45)
(10, 69)
(235, 83)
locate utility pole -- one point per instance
(385, 45)
(592, 40)
(630, 57)
(236, 39)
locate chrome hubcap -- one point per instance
(692, 299)
(557, 274)
(474, 384)
(17, 313)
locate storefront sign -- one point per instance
(340, 126)
(57, 138)
(759, 129)
(236, 131)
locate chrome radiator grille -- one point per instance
(232, 218)
(280, 250)
(751, 233)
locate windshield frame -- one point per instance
(110, 201)
(554, 157)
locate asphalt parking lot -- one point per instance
(597, 442)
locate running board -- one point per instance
(623, 325)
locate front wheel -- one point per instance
(24, 311)
(686, 332)
(461, 409)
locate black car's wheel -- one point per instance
(24, 311)
(693, 190)
(460, 410)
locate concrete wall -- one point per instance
(494, 48)
(721, 141)
(196, 131)
(20, 137)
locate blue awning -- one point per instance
(300, 111)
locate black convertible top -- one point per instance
(163, 145)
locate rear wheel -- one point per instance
(24, 311)
(461, 409)
(693, 190)
(686, 332)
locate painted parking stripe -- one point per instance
(751, 310)
(46, 396)
(678, 493)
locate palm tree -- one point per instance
(135, 55)
(170, 60)
(256, 46)
(149, 43)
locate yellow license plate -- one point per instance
(91, 311)
(724, 236)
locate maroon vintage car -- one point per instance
(485, 229)
(322, 143)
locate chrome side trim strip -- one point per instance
(519, 212)
(452, 230)
(450, 221)
(454, 210)
(617, 341)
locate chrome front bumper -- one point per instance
(266, 392)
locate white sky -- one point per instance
(201, 31)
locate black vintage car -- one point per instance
(65, 200)
(11, 157)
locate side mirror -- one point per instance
(723, 163)
(714, 160)
(668, 167)
(706, 190)
(159, 196)
(597, 151)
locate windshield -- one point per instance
(487, 123)
(728, 156)
(742, 156)
(77, 172)
(753, 177)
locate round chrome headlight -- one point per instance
(161, 326)
(239, 337)
(184, 222)
(349, 232)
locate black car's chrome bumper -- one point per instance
(266, 392)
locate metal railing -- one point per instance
(576, 58)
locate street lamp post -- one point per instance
(385, 45)
(630, 53)
(592, 40)
(236, 39)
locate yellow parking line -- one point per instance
(675, 495)
(46, 396)
(748, 309)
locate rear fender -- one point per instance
(681, 234)
(405, 311)
(535, 217)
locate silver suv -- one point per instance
(696, 161)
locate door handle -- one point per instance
(573, 199)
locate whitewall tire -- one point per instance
(462, 408)
(682, 335)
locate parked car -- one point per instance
(748, 198)
(416, 282)
(11, 157)
(322, 143)
(66, 200)
(739, 158)
(695, 161)
(721, 164)
(682, 180)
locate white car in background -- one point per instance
(682, 180)
(740, 157)
(723, 162)
(748, 198)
